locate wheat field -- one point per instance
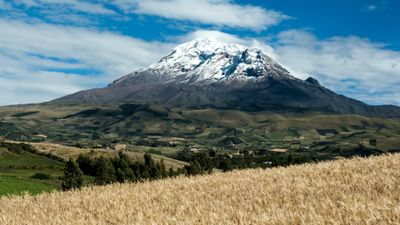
(356, 191)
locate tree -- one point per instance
(86, 164)
(290, 159)
(148, 160)
(163, 169)
(137, 169)
(105, 171)
(125, 165)
(122, 165)
(204, 161)
(121, 176)
(73, 176)
(151, 169)
(78, 145)
(225, 165)
(194, 168)
(212, 153)
(171, 172)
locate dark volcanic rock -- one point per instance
(312, 81)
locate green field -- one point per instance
(16, 170)
(17, 185)
(29, 161)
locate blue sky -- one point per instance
(50, 48)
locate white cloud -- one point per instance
(343, 64)
(76, 12)
(75, 5)
(214, 12)
(39, 62)
(220, 13)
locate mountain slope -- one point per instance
(208, 73)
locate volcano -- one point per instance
(206, 73)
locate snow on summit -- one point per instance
(208, 60)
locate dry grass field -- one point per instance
(355, 191)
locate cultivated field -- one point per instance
(166, 130)
(356, 191)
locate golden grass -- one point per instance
(279, 150)
(356, 191)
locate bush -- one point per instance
(54, 157)
(78, 145)
(41, 176)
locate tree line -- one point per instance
(123, 169)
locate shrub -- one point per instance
(41, 176)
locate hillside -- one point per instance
(21, 170)
(166, 131)
(38, 167)
(355, 191)
(67, 152)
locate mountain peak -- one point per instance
(209, 60)
(206, 45)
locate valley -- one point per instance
(154, 127)
(232, 139)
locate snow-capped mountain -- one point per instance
(206, 73)
(208, 60)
